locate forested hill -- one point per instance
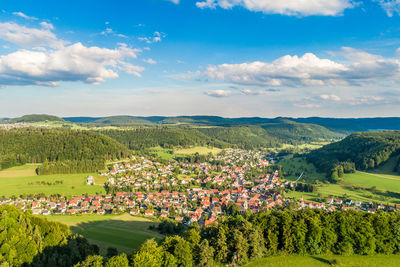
(243, 136)
(27, 145)
(364, 150)
(37, 118)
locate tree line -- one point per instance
(71, 166)
(239, 239)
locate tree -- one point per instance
(204, 254)
(240, 248)
(257, 247)
(149, 255)
(180, 249)
(91, 261)
(118, 261)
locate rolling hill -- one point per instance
(361, 151)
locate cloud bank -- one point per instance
(284, 7)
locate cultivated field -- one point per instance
(331, 260)
(293, 167)
(198, 149)
(23, 180)
(124, 232)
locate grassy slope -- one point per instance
(358, 179)
(311, 261)
(16, 181)
(124, 232)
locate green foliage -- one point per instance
(19, 146)
(362, 151)
(26, 239)
(71, 166)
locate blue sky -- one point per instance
(267, 58)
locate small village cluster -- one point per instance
(190, 192)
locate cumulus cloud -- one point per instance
(157, 37)
(46, 60)
(22, 15)
(174, 1)
(218, 93)
(390, 6)
(70, 63)
(330, 97)
(30, 37)
(284, 7)
(309, 70)
(150, 61)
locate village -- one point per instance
(188, 191)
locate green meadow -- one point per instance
(358, 186)
(23, 180)
(124, 232)
(331, 260)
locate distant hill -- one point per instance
(37, 118)
(362, 151)
(354, 124)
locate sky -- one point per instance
(231, 58)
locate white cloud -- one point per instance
(150, 61)
(75, 62)
(330, 97)
(157, 37)
(28, 37)
(218, 93)
(247, 91)
(284, 7)
(174, 1)
(308, 105)
(22, 15)
(309, 70)
(390, 6)
(47, 25)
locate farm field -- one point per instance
(354, 185)
(198, 149)
(311, 261)
(23, 180)
(19, 171)
(124, 232)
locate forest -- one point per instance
(33, 145)
(361, 151)
(236, 239)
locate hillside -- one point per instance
(362, 151)
(140, 138)
(37, 118)
(19, 146)
(349, 125)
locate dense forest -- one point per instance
(238, 240)
(37, 118)
(27, 240)
(27, 145)
(71, 166)
(247, 137)
(362, 151)
(32, 241)
(168, 137)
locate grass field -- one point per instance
(354, 185)
(293, 167)
(198, 149)
(124, 232)
(316, 261)
(23, 180)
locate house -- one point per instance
(90, 180)
(149, 212)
